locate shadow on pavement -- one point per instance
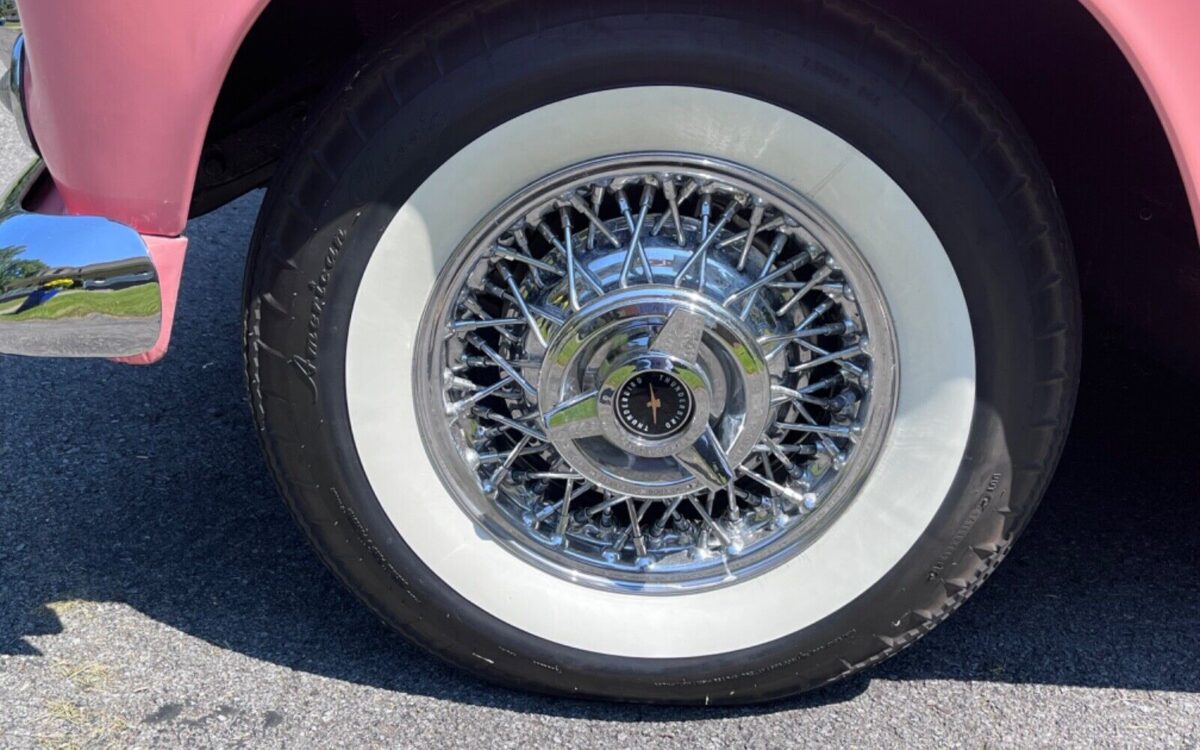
(145, 486)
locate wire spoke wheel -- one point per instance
(655, 372)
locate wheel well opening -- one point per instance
(1106, 151)
(295, 49)
(1069, 84)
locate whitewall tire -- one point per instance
(929, 244)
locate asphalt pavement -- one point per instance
(154, 592)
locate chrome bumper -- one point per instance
(73, 286)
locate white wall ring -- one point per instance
(912, 475)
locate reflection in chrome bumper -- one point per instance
(73, 286)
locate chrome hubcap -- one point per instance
(654, 391)
(653, 373)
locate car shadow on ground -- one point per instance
(145, 486)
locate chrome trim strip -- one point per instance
(15, 92)
(73, 286)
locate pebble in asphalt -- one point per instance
(154, 591)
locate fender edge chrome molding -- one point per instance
(13, 91)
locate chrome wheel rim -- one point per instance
(542, 343)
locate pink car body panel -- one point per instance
(120, 94)
(144, 76)
(1159, 38)
(166, 253)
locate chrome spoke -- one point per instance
(594, 223)
(776, 247)
(634, 528)
(816, 429)
(825, 357)
(782, 394)
(672, 212)
(792, 495)
(509, 254)
(473, 307)
(635, 228)
(473, 325)
(704, 514)
(756, 217)
(460, 406)
(494, 456)
(673, 201)
(512, 424)
(505, 467)
(699, 258)
(551, 314)
(564, 510)
(608, 504)
(569, 252)
(739, 238)
(804, 258)
(502, 363)
(520, 300)
(818, 277)
(831, 329)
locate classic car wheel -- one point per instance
(691, 355)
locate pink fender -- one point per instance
(120, 95)
(1159, 38)
(144, 76)
(166, 253)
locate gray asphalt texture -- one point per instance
(154, 591)
(37, 338)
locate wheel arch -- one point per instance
(1081, 77)
(1159, 42)
(143, 76)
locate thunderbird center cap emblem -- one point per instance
(654, 391)
(654, 404)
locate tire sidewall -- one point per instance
(803, 71)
